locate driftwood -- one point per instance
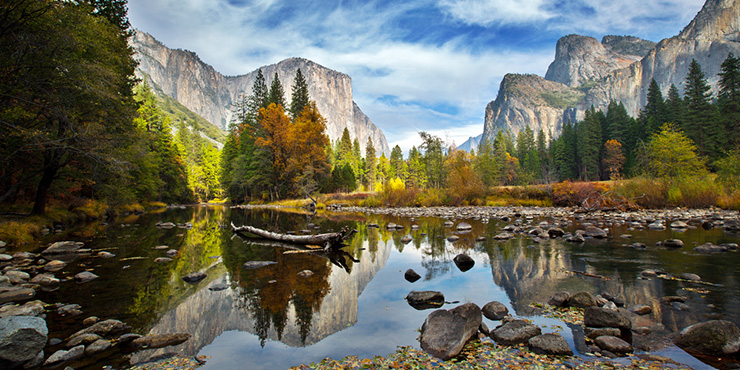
(328, 241)
(336, 256)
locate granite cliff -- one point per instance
(587, 73)
(182, 75)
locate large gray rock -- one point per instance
(64, 247)
(425, 299)
(495, 310)
(559, 299)
(613, 344)
(596, 232)
(549, 344)
(582, 300)
(22, 338)
(514, 332)
(62, 356)
(159, 340)
(34, 308)
(102, 328)
(98, 346)
(445, 332)
(712, 338)
(599, 317)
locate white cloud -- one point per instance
(488, 12)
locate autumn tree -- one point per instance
(613, 161)
(307, 160)
(463, 184)
(275, 138)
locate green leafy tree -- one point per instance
(416, 170)
(672, 155)
(485, 164)
(433, 159)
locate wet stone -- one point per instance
(411, 276)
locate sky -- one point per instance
(416, 65)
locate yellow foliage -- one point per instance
(15, 232)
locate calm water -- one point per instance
(273, 317)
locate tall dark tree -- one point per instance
(66, 92)
(589, 144)
(299, 96)
(675, 107)
(370, 164)
(729, 97)
(396, 161)
(433, 159)
(700, 124)
(652, 116)
(277, 93)
(115, 11)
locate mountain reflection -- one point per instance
(277, 302)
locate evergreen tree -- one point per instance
(675, 108)
(652, 116)
(260, 97)
(396, 162)
(701, 124)
(485, 164)
(589, 144)
(433, 159)
(370, 164)
(417, 174)
(344, 149)
(729, 98)
(299, 96)
(277, 94)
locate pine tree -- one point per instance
(299, 96)
(652, 116)
(729, 98)
(675, 108)
(277, 94)
(370, 164)
(396, 161)
(701, 123)
(589, 144)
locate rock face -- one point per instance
(582, 59)
(444, 332)
(587, 73)
(181, 75)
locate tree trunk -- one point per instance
(328, 241)
(39, 204)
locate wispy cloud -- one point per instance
(488, 12)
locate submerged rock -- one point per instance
(712, 338)
(464, 262)
(85, 276)
(194, 277)
(422, 300)
(549, 344)
(411, 276)
(159, 340)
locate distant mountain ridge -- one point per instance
(183, 76)
(587, 73)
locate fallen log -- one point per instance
(328, 241)
(336, 256)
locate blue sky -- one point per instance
(417, 65)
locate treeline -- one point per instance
(76, 124)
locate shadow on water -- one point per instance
(305, 305)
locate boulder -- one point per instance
(593, 333)
(581, 300)
(559, 299)
(595, 232)
(22, 338)
(16, 294)
(503, 236)
(55, 265)
(711, 338)
(17, 277)
(464, 262)
(679, 225)
(102, 328)
(710, 248)
(406, 239)
(46, 281)
(195, 277)
(411, 276)
(250, 265)
(640, 309)
(33, 308)
(218, 287)
(69, 310)
(453, 238)
(159, 340)
(555, 232)
(65, 247)
(305, 273)
(673, 243)
(85, 276)
(598, 317)
(172, 253)
(690, 276)
(514, 332)
(575, 238)
(464, 226)
(62, 356)
(162, 260)
(90, 320)
(98, 346)
(84, 339)
(549, 344)
(105, 254)
(495, 310)
(445, 332)
(613, 344)
(422, 300)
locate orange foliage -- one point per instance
(613, 159)
(276, 137)
(463, 183)
(575, 193)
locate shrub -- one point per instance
(430, 198)
(694, 192)
(15, 232)
(577, 193)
